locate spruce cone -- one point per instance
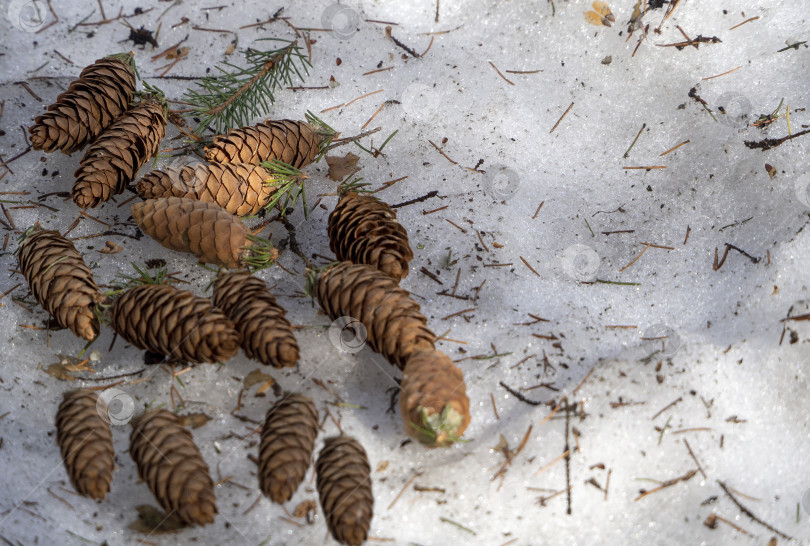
(267, 335)
(114, 159)
(364, 230)
(344, 486)
(240, 189)
(433, 401)
(394, 326)
(296, 143)
(91, 103)
(85, 440)
(203, 229)
(60, 280)
(170, 463)
(288, 438)
(175, 323)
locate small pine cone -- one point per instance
(86, 443)
(364, 230)
(239, 188)
(288, 438)
(172, 466)
(175, 323)
(203, 229)
(267, 335)
(91, 103)
(115, 157)
(344, 487)
(60, 280)
(394, 326)
(433, 401)
(296, 143)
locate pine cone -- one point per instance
(60, 280)
(433, 401)
(394, 326)
(364, 230)
(91, 103)
(288, 438)
(175, 323)
(85, 440)
(239, 188)
(267, 335)
(170, 463)
(296, 143)
(115, 157)
(344, 486)
(203, 229)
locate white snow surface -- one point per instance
(731, 379)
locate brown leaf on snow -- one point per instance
(111, 248)
(341, 167)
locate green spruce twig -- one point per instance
(236, 95)
(260, 254)
(289, 184)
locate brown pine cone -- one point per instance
(364, 230)
(203, 229)
(288, 438)
(267, 335)
(60, 280)
(173, 468)
(239, 188)
(344, 487)
(297, 143)
(115, 157)
(433, 401)
(175, 323)
(85, 440)
(91, 103)
(394, 326)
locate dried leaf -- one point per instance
(771, 170)
(60, 372)
(255, 377)
(194, 420)
(111, 248)
(341, 167)
(231, 47)
(264, 387)
(304, 508)
(382, 466)
(153, 521)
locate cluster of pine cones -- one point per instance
(194, 209)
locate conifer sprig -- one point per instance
(237, 95)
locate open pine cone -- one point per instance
(175, 323)
(296, 143)
(86, 443)
(267, 335)
(115, 157)
(344, 487)
(394, 325)
(60, 280)
(173, 468)
(364, 230)
(91, 103)
(288, 438)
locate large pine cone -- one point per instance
(241, 189)
(364, 230)
(433, 401)
(288, 438)
(267, 335)
(394, 325)
(60, 280)
(115, 157)
(175, 323)
(91, 103)
(296, 143)
(86, 443)
(203, 229)
(173, 468)
(344, 487)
